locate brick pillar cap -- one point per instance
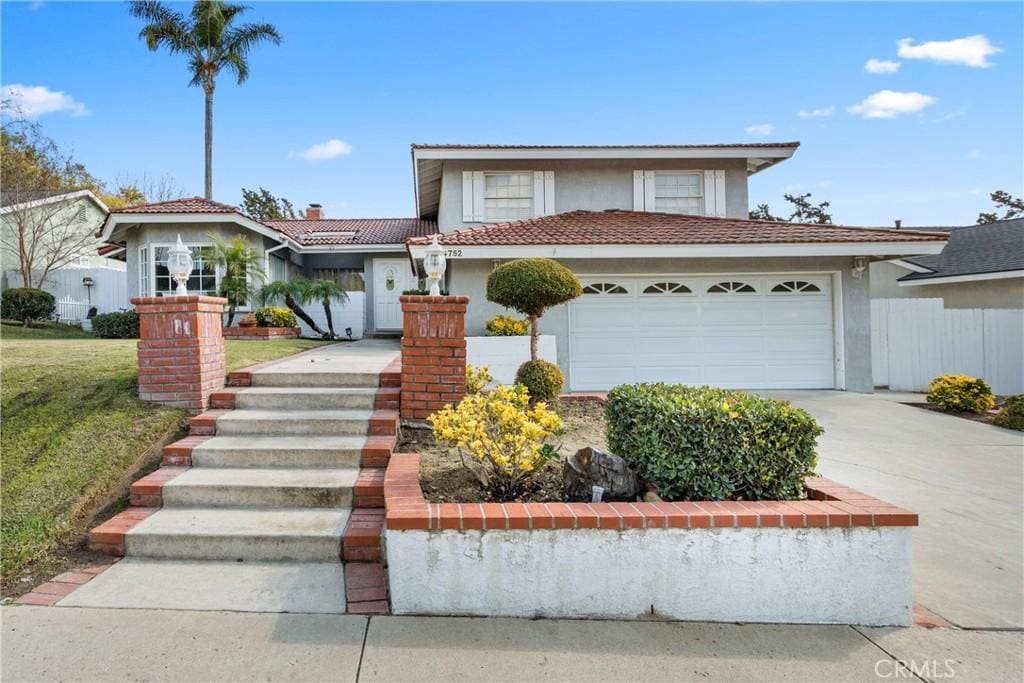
(187, 299)
(427, 299)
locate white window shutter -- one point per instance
(710, 198)
(638, 190)
(720, 193)
(478, 196)
(538, 194)
(649, 203)
(549, 193)
(467, 197)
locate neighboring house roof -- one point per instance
(10, 200)
(983, 249)
(182, 205)
(330, 231)
(428, 159)
(619, 227)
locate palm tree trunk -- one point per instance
(291, 303)
(327, 314)
(231, 315)
(209, 139)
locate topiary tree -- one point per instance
(531, 286)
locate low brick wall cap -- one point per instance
(427, 299)
(187, 299)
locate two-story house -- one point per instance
(679, 285)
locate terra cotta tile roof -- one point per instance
(183, 205)
(753, 145)
(634, 227)
(367, 230)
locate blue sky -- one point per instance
(381, 76)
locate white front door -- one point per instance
(735, 331)
(391, 276)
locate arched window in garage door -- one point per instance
(731, 287)
(667, 288)
(795, 287)
(604, 288)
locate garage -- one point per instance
(735, 331)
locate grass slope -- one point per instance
(73, 432)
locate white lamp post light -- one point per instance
(434, 263)
(179, 263)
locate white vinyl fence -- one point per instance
(347, 314)
(915, 340)
(69, 310)
(109, 291)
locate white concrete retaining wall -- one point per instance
(504, 355)
(858, 575)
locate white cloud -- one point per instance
(760, 130)
(970, 51)
(33, 101)
(819, 113)
(322, 151)
(888, 104)
(955, 114)
(881, 66)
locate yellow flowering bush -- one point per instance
(960, 393)
(499, 436)
(507, 326)
(477, 379)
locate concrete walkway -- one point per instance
(966, 481)
(55, 643)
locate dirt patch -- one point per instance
(445, 480)
(987, 417)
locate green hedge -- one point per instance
(702, 443)
(26, 304)
(275, 316)
(119, 325)
(1011, 415)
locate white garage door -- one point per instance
(733, 331)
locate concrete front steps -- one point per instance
(263, 490)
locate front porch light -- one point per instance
(179, 263)
(434, 264)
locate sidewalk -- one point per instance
(55, 643)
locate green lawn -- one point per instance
(15, 330)
(74, 432)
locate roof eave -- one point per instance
(939, 279)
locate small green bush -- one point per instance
(26, 304)
(275, 316)
(507, 326)
(960, 393)
(543, 380)
(703, 443)
(1011, 415)
(119, 325)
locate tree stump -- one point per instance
(591, 467)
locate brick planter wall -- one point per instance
(840, 557)
(237, 332)
(433, 353)
(181, 349)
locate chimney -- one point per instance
(315, 212)
(899, 223)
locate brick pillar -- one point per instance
(433, 353)
(181, 349)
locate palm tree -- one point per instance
(292, 293)
(240, 264)
(210, 42)
(325, 291)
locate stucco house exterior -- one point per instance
(679, 285)
(982, 266)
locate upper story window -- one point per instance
(495, 196)
(508, 196)
(679, 193)
(695, 193)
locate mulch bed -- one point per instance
(445, 480)
(987, 417)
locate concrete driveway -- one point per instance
(965, 480)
